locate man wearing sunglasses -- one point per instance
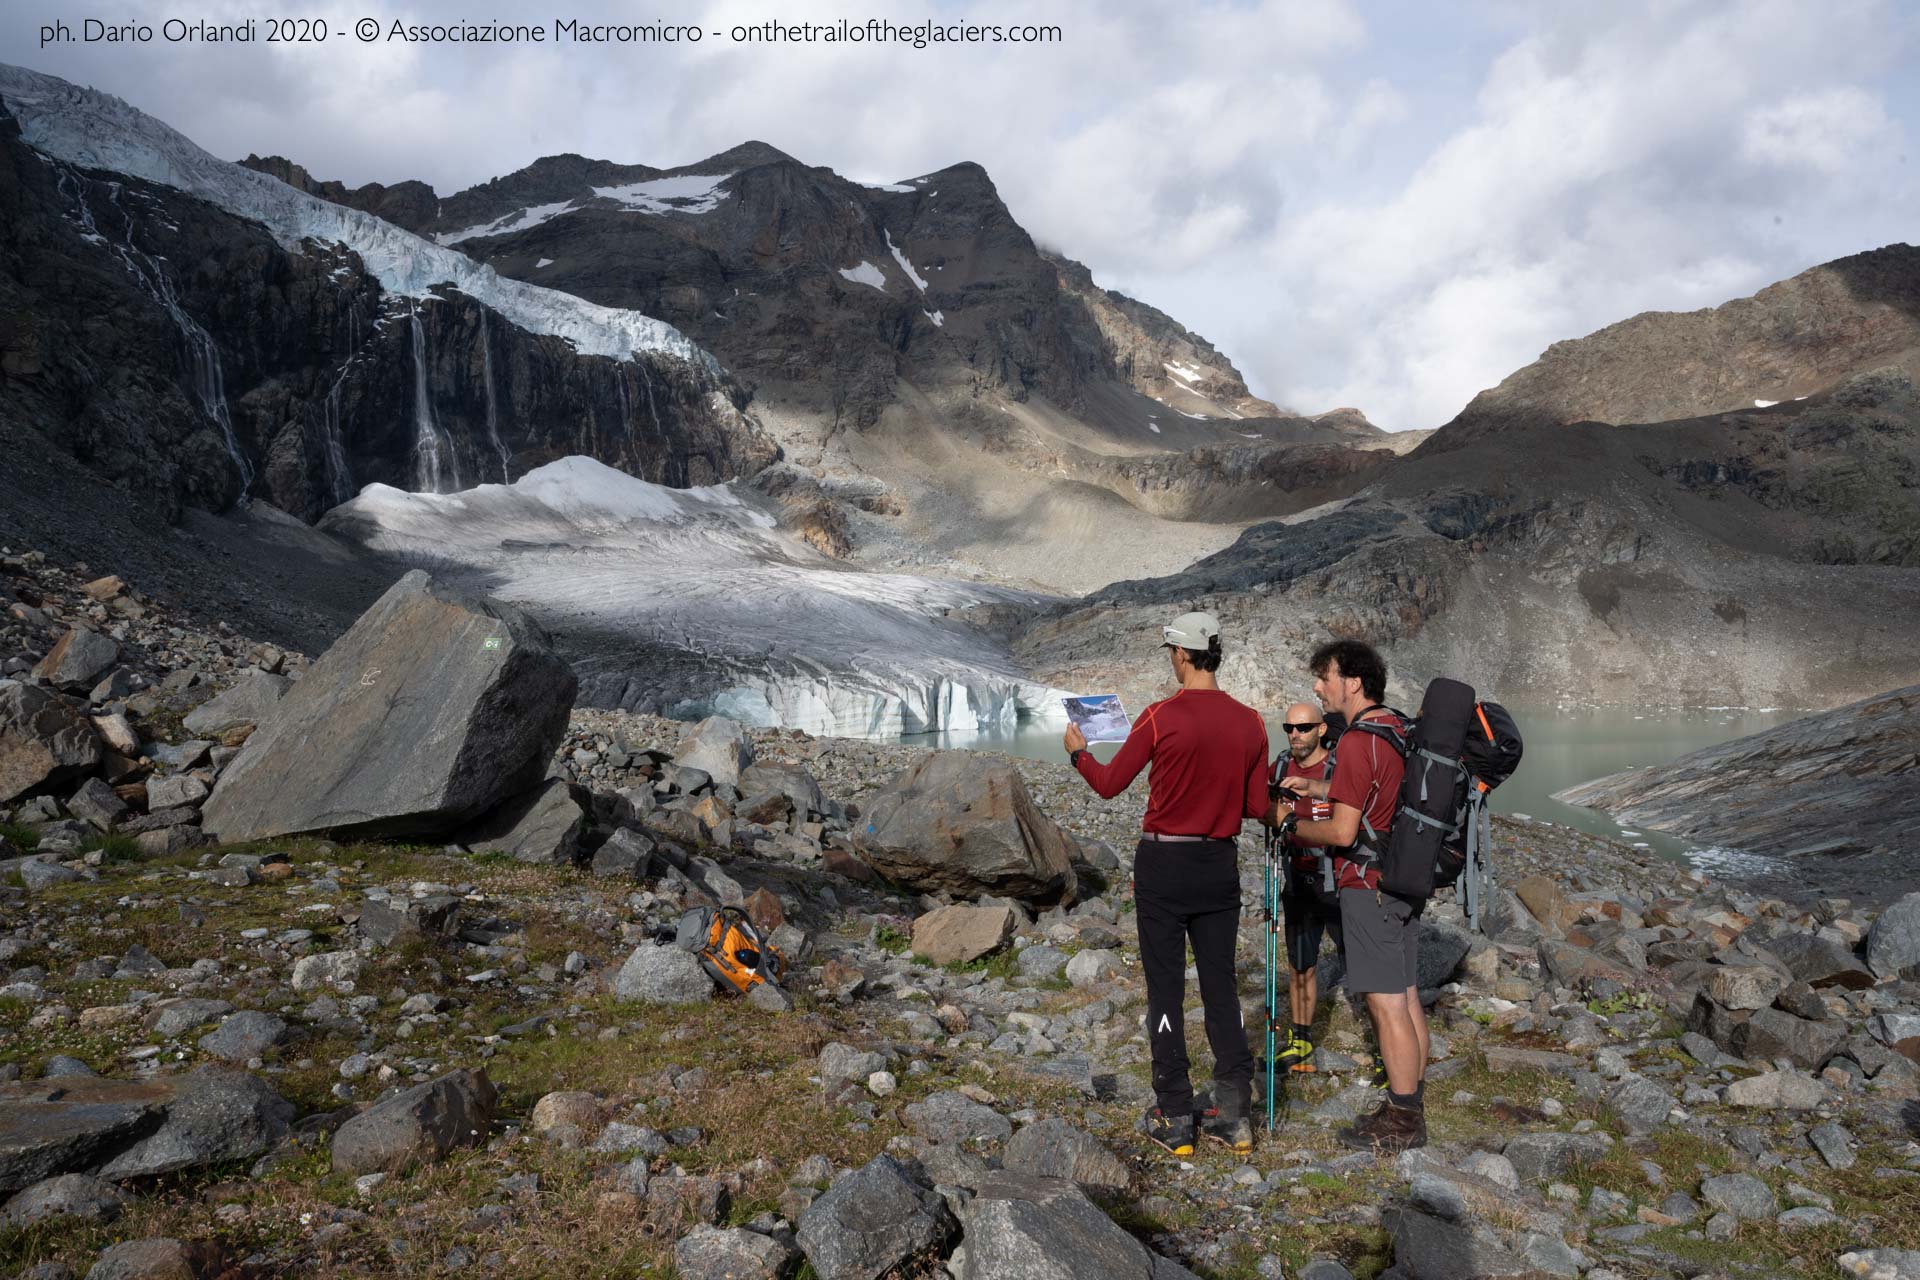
(1309, 903)
(1209, 758)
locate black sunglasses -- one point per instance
(1302, 728)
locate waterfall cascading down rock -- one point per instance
(339, 472)
(436, 463)
(203, 357)
(493, 406)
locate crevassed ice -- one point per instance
(691, 601)
(96, 130)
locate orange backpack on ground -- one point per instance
(730, 948)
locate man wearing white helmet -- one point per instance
(1209, 773)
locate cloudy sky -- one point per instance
(1384, 204)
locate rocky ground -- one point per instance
(308, 1055)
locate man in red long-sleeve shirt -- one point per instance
(1209, 773)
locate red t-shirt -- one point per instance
(1209, 756)
(1366, 776)
(1307, 809)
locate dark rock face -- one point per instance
(430, 711)
(184, 354)
(1834, 785)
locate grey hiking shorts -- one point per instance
(1383, 939)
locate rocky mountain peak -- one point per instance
(745, 156)
(1803, 335)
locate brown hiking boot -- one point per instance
(1388, 1130)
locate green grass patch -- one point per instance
(20, 836)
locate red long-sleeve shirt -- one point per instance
(1209, 756)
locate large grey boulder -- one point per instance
(44, 741)
(71, 1195)
(719, 747)
(540, 825)
(958, 934)
(1740, 1194)
(870, 1221)
(656, 974)
(1052, 1148)
(78, 661)
(423, 1123)
(430, 710)
(49, 1127)
(250, 701)
(1821, 962)
(1023, 1227)
(217, 1114)
(245, 1035)
(1429, 1248)
(98, 803)
(951, 1116)
(1775, 1033)
(730, 1253)
(1641, 1104)
(159, 1258)
(1893, 943)
(387, 921)
(961, 823)
(790, 780)
(1543, 1157)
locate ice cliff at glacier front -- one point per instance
(685, 601)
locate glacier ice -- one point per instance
(99, 131)
(690, 601)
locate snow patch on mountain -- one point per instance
(901, 258)
(866, 273)
(687, 193)
(686, 601)
(98, 131)
(518, 220)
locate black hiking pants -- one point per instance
(1190, 892)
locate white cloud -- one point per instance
(1663, 159)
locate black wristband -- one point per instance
(1073, 757)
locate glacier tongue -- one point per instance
(98, 131)
(689, 601)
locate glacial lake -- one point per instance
(1564, 746)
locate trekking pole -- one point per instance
(1271, 890)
